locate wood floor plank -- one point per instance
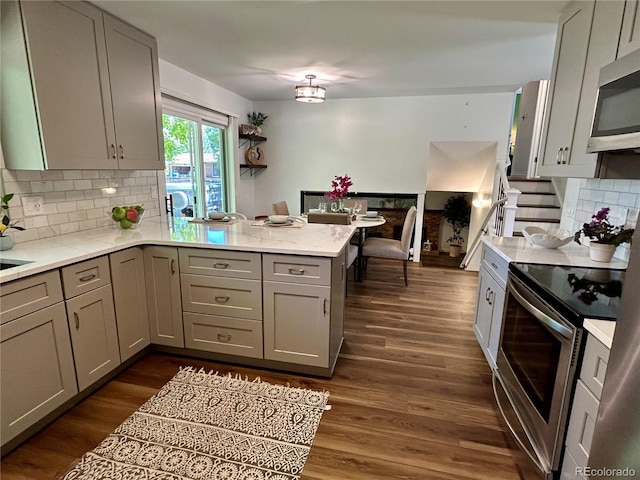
(411, 395)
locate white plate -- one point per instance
(372, 219)
(271, 224)
(223, 219)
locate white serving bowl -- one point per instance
(371, 213)
(553, 238)
(278, 218)
(217, 215)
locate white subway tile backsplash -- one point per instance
(611, 198)
(76, 200)
(627, 199)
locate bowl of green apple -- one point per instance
(127, 217)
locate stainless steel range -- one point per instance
(540, 351)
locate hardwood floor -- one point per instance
(411, 395)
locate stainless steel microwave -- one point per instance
(616, 121)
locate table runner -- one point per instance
(207, 426)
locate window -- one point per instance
(195, 158)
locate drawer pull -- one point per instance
(173, 266)
(86, 278)
(224, 338)
(222, 298)
(324, 306)
(494, 265)
(220, 265)
(77, 319)
(487, 294)
(299, 271)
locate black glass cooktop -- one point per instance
(587, 292)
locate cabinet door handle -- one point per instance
(558, 156)
(324, 306)
(121, 151)
(224, 338)
(86, 278)
(565, 155)
(113, 150)
(173, 266)
(222, 298)
(491, 297)
(77, 319)
(487, 294)
(220, 265)
(293, 271)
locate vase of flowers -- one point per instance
(604, 237)
(339, 190)
(6, 242)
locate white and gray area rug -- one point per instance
(207, 426)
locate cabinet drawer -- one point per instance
(232, 336)
(495, 264)
(296, 269)
(229, 297)
(220, 263)
(594, 365)
(27, 295)
(85, 276)
(582, 423)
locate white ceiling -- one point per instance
(262, 49)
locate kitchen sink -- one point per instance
(7, 263)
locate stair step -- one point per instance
(535, 205)
(529, 180)
(537, 220)
(538, 198)
(530, 186)
(518, 234)
(541, 211)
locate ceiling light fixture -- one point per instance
(310, 93)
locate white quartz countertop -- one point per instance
(518, 249)
(250, 236)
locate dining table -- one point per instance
(363, 223)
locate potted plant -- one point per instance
(6, 242)
(457, 211)
(256, 120)
(604, 237)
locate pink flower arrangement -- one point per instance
(339, 187)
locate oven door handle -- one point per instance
(543, 317)
(534, 457)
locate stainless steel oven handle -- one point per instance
(543, 317)
(524, 448)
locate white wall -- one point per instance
(382, 143)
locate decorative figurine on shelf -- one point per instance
(256, 120)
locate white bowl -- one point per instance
(371, 213)
(216, 215)
(553, 238)
(278, 218)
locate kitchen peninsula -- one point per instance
(91, 302)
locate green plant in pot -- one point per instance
(6, 242)
(457, 212)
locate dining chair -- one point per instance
(280, 208)
(390, 248)
(336, 219)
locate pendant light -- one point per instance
(310, 93)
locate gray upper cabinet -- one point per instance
(630, 32)
(70, 74)
(587, 40)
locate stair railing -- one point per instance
(504, 209)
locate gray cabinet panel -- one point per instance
(27, 295)
(220, 263)
(162, 275)
(231, 336)
(630, 31)
(94, 335)
(130, 298)
(230, 297)
(36, 369)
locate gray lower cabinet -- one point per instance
(487, 325)
(303, 301)
(584, 410)
(162, 275)
(130, 298)
(222, 301)
(92, 319)
(36, 368)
